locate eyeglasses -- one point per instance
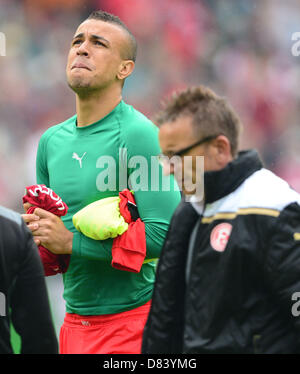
(163, 158)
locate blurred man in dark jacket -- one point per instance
(23, 293)
(228, 275)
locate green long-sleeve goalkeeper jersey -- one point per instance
(85, 164)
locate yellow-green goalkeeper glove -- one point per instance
(101, 220)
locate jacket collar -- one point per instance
(218, 184)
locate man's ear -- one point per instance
(223, 147)
(125, 69)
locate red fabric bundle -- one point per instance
(129, 249)
(43, 197)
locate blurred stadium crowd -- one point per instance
(241, 49)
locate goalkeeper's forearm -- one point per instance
(101, 249)
(90, 248)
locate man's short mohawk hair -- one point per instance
(106, 17)
(101, 15)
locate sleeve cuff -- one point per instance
(76, 245)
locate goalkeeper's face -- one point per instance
(96, 57)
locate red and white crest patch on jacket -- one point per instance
(220, 235)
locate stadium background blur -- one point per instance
(240, 48)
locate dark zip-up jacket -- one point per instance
(229, 272)
(23, 294)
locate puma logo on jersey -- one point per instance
(76, 157)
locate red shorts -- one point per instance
(119, 333)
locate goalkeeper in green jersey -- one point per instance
(107, 147)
